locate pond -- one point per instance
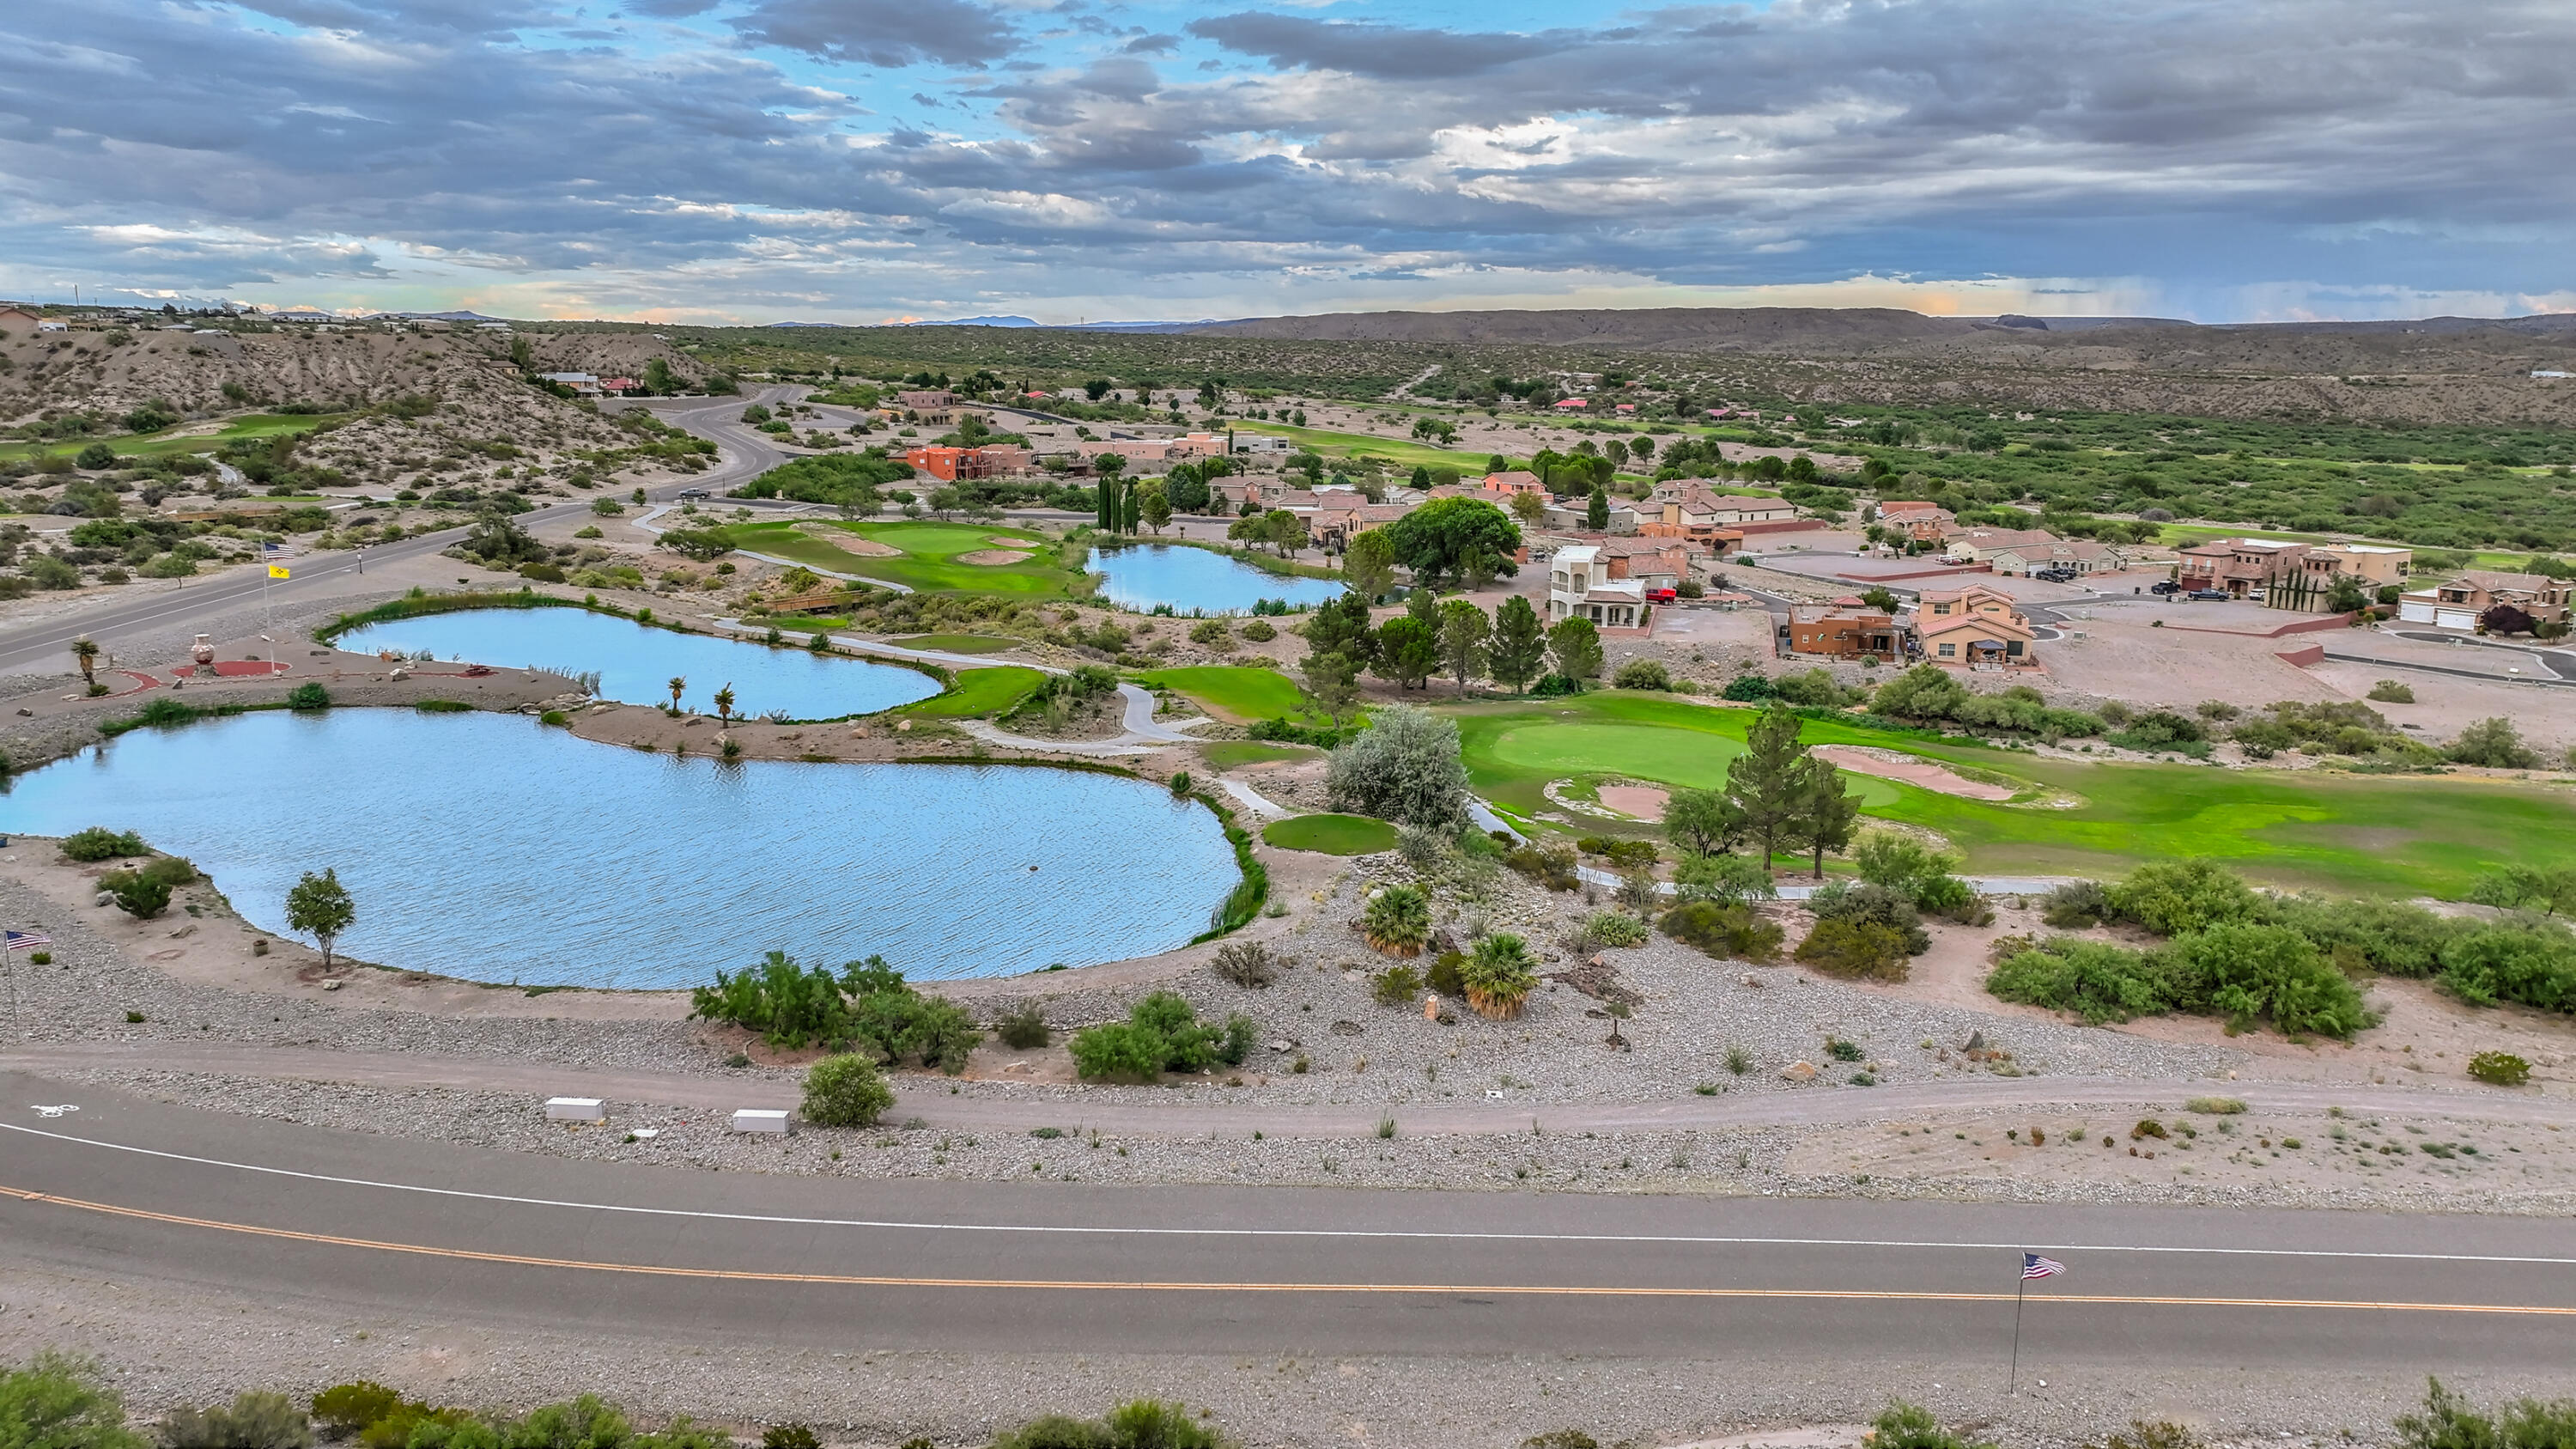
(636, 662)
(1194, 578)
(494, 848)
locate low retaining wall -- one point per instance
(2302, 624)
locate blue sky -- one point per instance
(870, 160)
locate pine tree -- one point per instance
(1342, 627)
(1463, 632)
(1407, 650)
(1519, 649)
(1828, 810)
(1764, 785)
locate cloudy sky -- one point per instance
(870, 160)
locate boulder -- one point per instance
(1798, 1072)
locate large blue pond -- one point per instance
(1194, 578)
(636, 662)
(497, 849)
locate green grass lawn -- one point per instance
(152, 445)
(1329, 444)
(2364, 834)
(1332, 834)
(979, 693)
(958, 643)
(1235, 754)
(1235, 692)
(928, 561)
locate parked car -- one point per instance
(2167, 587)
(2054, 576)
(2219, 594)
(693, 493)
(1662, 596)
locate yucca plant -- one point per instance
(1498, 976)
(1398, 921)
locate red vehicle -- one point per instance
(1662, 596)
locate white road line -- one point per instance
(1707, 1240)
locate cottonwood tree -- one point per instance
(1368, 568)
(319, 906)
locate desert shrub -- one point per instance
(1498, 975)
(2075, 905)
(137, 894)
(1162, 1033)
(2096, 981)
(1443, 976)
(1404, 768)
(2531, 964)
(1396, 985)
(2493, 744)
(1023, 1028)
(1561, 1439)
(1623, 853)
(59, 1402)
(308, 696)
(100, 843)
(2172, 897)
(2546, 889)
(1908, 1426)
(1260, 631)
(1876, 905)
(1642, 674)
(2246, 972)
(252, 1420)
(1397, 920)
(2449, 1423)
(1248, 964)
(2390, 691)
(790, 1436)
(2215, 1106)
(344, 1409)
(1953, 899)
(846, 1091)
(1725, 879)
(1615, 928)
(1727, 931)
(1815, 688)
(1854, 948)
(584, 1423)
(1548, 862)
(2162, 729)
(1142, 1424)
(867, 1001)
(2500, 1069)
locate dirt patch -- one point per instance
(1910, 771)
(852, 543)
(1641, 801)
(994, 557)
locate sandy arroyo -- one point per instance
(1910, 771)
(993, 557)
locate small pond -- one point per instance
(495, 848)
(636, 662)
(1194, 578)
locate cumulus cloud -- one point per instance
(2214, 149)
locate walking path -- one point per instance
(927, 1100)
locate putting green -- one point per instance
(980, 692)
(1234, 754)
(1332, 834)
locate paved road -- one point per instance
(44, 645)
(2558, 661)
(349, 1223)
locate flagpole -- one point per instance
(2021, 1290)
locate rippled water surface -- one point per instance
(636, 662)
(1193, 578)
(495, 848)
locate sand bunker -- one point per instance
(993, 556)
(1910, 771)
(1643, 802)
(852, 543)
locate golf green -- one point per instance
(1332, 834)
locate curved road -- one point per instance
(135, 1190)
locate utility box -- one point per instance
(576, 1109)
(760, 1119)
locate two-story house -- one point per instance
(1974, 625)
(2460, 603)
(1579, 586)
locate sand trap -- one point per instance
(852, 543)
(1644, 802)
(1006, 542)
(993, 556)
(1910, 771)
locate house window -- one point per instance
(1949, 651)
(2012, 650)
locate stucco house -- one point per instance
(1579, 586)
(2073, 555)
(1844, 632)
(2459, 603)
(1977, 625)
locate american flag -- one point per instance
(28, 940)
(2035, 1266)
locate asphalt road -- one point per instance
(295, 1215)
(117, 620)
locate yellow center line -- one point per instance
(1523, 1290)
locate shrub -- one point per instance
(797, 1006)
(1548, 862)
(137, 893)
(100, 843)
(1642, 674)
(2172, 897)
(57, 1400)
(1396, 985)
(1623, 853)
(1842, 1050)
(1561, 1439)
(1260, 631)
(252, 1421)
(2500, 1069)
(1724, 879)
(1023, 1027)
(1907, 1426)
(2075, 905)
(2390, 691)
(2492, 744)
(344, 1409)
(1724, 931)
(1614, 928)
(308, 696)
(1875, 905)
(1498, 976)
(1248, 964)
(2215, 1106)
(1142, 1424)
(2245, 972)
(1739, 1060)
(1404, 767)
(1397, 920)
(846, 1091)
(1162, 1033)
(789, 1436)
(1859, 949)
(2096, 981)
(1443, 976)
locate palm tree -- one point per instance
(1397, 921)
(724, 705)
(1498, 976)
(86, 652)
(678, 683)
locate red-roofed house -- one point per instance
(1916, 519)
(1975, 625)
(1573, 404)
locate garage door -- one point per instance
(2415, 613)
(2456, 618)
